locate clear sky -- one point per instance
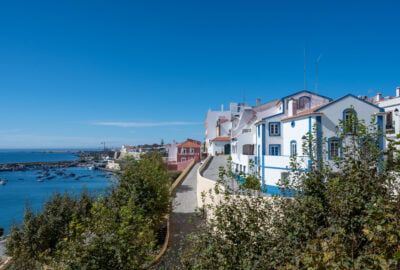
(75, 73)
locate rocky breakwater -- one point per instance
(41, 165)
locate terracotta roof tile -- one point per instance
(189, 144)
(222, 120)
(218, 139)
(307, 112)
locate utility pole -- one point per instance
(104, 146)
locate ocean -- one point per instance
(23, 188)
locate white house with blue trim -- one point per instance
(272, 132)
(280, 136)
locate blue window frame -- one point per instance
(293, 124)
(258, 131)
(293, 148)
(274, 149)
(274, 128)
(349, 121)
(334, 148)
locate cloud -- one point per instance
(148, 124)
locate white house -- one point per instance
(280, 136)
(270, 133)
(391, 105)
(218, 127)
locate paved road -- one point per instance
(212, 173)
(183, 220)
(212, 170)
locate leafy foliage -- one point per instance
(342, 214)
(116, 231)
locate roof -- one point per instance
(189, 144)
(222, 120)
(307, 112)
(318, 108)
(221, 139)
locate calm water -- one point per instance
(34, 156)
(22, 187)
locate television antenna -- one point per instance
(316, 72)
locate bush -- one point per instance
(111, 232)
(342, 214)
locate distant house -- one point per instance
(188, 150)
(181, 154)
(219, 126)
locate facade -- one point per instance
(180, 155)
(391, 105)
(188, 150)
(270, 134)
(218, 127)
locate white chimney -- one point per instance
(258, 101)
(378, 96)
(291, 107)
(398, 91)
(222, 107)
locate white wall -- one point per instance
(217, 147)
(334, 112)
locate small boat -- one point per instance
(3, 182)
(40, 180)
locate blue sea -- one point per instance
(23, 187)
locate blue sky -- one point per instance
(75, 73)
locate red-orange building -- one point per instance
(188, 150)
(181, 155)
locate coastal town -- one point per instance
(197, 135)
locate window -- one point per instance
(258, 131)
(334, 146)
(191, 150)
(274, 129)
(293, 124)
(183, 151)
(293, 148)
(389, 123)
(304, 103)
(183, 159)
(274, 149)
(349, 121)
(248, 149)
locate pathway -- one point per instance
(183, 220)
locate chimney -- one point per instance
(222, 107)
(378, 96)
(398, 91)
(258, 101)
(291, 107)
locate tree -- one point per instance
(115, 231)
(340, 214)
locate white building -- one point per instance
(218, 127)
(272, 132)
(391, 105)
